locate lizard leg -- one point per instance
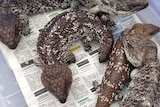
(96, 86)
(86, 41)
(68, 58)
(118, 96)
(24, 19)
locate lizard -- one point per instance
(18, 12)
(141, 52)
(31, 7)
(116, 7)
(115, 77)
(118, 70)
(56, 37)
(11, 27)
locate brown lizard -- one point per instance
(142, 53)
(116, 75)
(31, 7)
(56, 37)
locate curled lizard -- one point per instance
(56, 37)
(142, 53)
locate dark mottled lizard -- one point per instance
(56, 37)
(143, 90)
(23, 8)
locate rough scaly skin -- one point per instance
(31, 7)
(143, 89)
(123, 7)
(118, 7)
(13, 26)
(115, 77)
(59, 34)
(56, 37)
(138, 38)
(57, 79)
(9, 9)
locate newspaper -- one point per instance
(86, 69)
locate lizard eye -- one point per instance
(129, 44)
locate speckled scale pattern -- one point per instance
(116, 75)
(21, 9)
(56, 37)
(138, 38)
(31, 7)
(118, 7)
(35, 6)
(143, 87)
(157, 96)
(45, 5)
(59, 34)
(122, 7)
(143, 90)
(88, 3)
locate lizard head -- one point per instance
(57, 79)
(123, 7)
(137, 44)
(11, 29)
